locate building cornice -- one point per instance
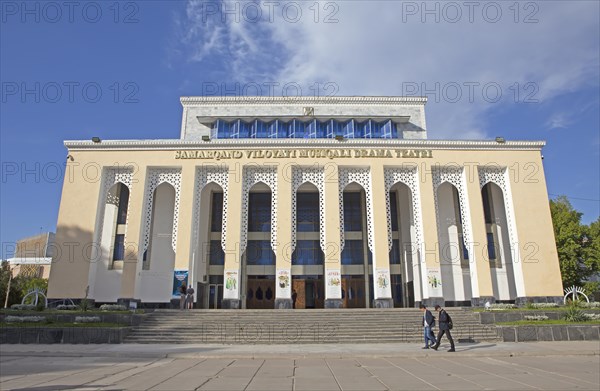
(177, 144)
(191, 101)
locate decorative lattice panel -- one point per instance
(407, 176)
(362, 176)
(155, 177)
(455, 176)
(204, 176)
(252, 176)
(316, 176)
(113, 176)
(499, 176)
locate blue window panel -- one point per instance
(359, 129)
(282, 130)
(261, 130)
(311, 129)
(216, 255)
(119, 249)
(244, 129)
(273, 129)
(352, 212)
(216, 222)
(386, 129)
(491, 246)
(307, 212)
(368, 129)
(296, 129)
(375, 129)
(307, 252)
(259, 212)
(321, 129)
(394, 211)
(299, 129)
(395, 252)
(348, 129)
(353, 253)
(259, 253)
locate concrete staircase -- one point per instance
(300, 326)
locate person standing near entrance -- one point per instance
(189, 299)
(428, 324)
(182, 296)
(445, 327)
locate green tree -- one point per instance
(578, 245)
(15, 295)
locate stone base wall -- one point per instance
(72, 335)
(549, 333)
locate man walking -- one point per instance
(445, 326)
(428, 323)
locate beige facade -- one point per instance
(444, 222)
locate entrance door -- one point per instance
(353, 292)
(215, 296)
(260, 293)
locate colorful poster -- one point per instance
(382, 284)
(232, 285)
(334, 284)
(179, 277)
(434, 282)
(283, 282)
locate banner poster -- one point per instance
(179, 277)
(232, 284)
(382, 283)
(434, 282)
(334, 284)
(284, 280)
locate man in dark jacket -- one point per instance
(428, 323)
(444, 326)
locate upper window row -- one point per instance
(304, 129)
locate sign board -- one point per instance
(382, 283)
(283, 284)
(434, 282)
(333, 284)
(232, 284)
(180, 277)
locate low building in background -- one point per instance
(33, 256)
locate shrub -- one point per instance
(22, 307)
(574, 314)
(544, 305)
(536, 317)
(501, 306)
(85, 305)
(592, 316)
(593, 304)
(25, 319)
(113, 307)
(67, 307)
(87, 319)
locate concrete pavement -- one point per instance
(539, 365)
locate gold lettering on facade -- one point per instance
(306, 153)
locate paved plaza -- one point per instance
(484, 366)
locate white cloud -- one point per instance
(377, 48)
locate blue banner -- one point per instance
(179, 277)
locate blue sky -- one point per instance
(141, 56)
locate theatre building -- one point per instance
(339, 202)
